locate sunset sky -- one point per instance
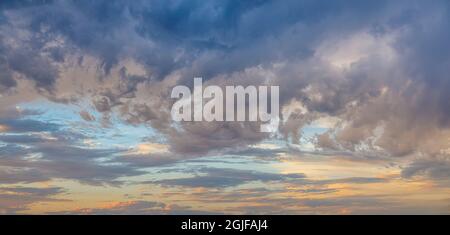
(85, 101)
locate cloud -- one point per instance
(218, 178)
(196, 39)
(379, 68)
(130, 207)
(139, 207)
(18, 199)
(51, 152)
(87, 116)
(437, 169)
(354, 180)
(59, 161)
(24, 125)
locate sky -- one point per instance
(85, 100)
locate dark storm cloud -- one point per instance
(218, 36)
(30, 64)
(25, 57)
(6, 77)
(197, 38)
